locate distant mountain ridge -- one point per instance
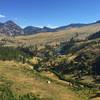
(10, 28)
(33, 30)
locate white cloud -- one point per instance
(2, 16)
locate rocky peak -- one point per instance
(11, 28)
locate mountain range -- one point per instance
(10, 28)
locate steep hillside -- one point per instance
(19, 82)
(94, 36)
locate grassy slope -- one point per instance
(24, 81)
(55, 37)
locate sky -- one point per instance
(51, 13)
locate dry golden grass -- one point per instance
(52, 37)
(25, 81)
(56, 37)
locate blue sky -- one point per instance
(49, 12)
